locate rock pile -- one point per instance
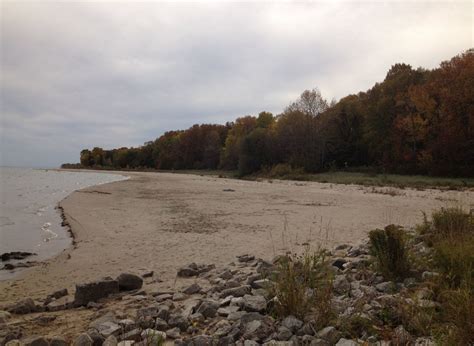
(236, 308)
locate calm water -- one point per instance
(29, 220)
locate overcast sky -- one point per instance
(110, 74)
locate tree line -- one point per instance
(416, 121)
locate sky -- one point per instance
(77, 75)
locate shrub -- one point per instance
(457, 313)
(452, 222)
(302, 285)
(388, 246)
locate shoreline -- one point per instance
(159, 222)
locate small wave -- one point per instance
(49, 234)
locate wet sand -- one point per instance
(161, 221)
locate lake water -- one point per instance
(29, 220)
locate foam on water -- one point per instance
(29, 220)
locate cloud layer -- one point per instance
(84, 74)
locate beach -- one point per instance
(162, 221)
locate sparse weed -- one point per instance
(303, 285)
(388, 246)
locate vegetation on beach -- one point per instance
(416, 121)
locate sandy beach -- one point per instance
(162, 221)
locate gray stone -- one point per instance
(292, 323)
(186, 272)
(385, 287)
(83, 340)
(193, 289)
(35, 341)
(129, 282)
(127, 324)
(93, 291)
(329, 334)
(109, 328)
(178, 296)
(208, 308)
(262, 283)
(173, 333)
(107, 317)
(24, 306)
(254, 303)
(110, 341)
(226, 274)
(341, 285)
(319, 342)
(284, 333)
(245, 258)
(236, 291)
(429, 275)
(307, 329)
(134, 334)
(162, 297)
(161, 325)
(234, 316)
(226, 311)
(58, 341)
(97, 338)
(177, 320)
(258, 329)
(346, 342)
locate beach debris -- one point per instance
(16, 255)
(129, 282)
(93, 291)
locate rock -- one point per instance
(264, 267)
(262, 283)
(190, 306)
(177, 320)
(148, 274)
(196, 318)
(109, 328)
(234, 316)
(236, 291)
(178, 296)
(329, 334)
(127, 324)
(258, 329)
(307, 329)
(193, 270)
(107, 317)
(173, 333)
(24, 306)
(153, 337)
(4, 316)
(341, 285)
(126, 343)
(424, 342)
(187, 272)
(97, 339)
(279, 343)
(339, 263)
(385, 287)
(193, 289)
(226, 311)
(319, 342)
(161, 325)
(134, 334)
(254, 303)
(201, 340)
(129, 282)
(14, 342)
(162, 297)
(284, 333)
(93, 291)
(245, 258)
(35, 341)
(292, 323)
(152, 311)
(56, 295)
(226, 274)
(58, 341)
(429, 275)
(83, 340)
(401, 336)
(346, 342)
(110, 341)
(208, 308)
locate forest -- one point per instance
(416, 121)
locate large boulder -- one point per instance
(93, 291)
(129, 282)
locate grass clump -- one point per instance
(303, 285)
(450, 233)
(388, 246)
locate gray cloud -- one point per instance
(108, 74)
